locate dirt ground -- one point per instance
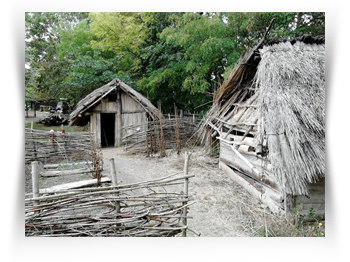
(216, 212)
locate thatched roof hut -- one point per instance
(269, 117)
(111, 109)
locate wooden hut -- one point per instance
(269, 119)
(111, 110)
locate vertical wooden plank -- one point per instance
(118, 120)
(35, 183)
(98, 129)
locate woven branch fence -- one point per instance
(147, 209)
(170, 132)
(46, 146)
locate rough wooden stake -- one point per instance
(114, 182)
(177, 132)
(162, 142)
(35, 183)
(184, 220)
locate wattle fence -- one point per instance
(154, 208)
(47, 146)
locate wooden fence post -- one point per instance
(177, 132)
(161, 142)
(35, 183)
(114, 182)
(184, 219)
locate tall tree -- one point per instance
(42, 37)
(122, 33)
(86, 68)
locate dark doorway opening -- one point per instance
(107, 130)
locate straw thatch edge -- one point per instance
(291, 83)
(304, 161)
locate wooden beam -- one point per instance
(114, 112)
(253, 168)
(263, 197)
(86, 107)
(74, 185)
(65, 172)
(118, 120)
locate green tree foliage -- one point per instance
(208, 47)
(87, 68)
(42, 37)
(182, 63)
(174, 58)
(122, 33)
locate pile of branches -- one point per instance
(146, 209)
(54, 120)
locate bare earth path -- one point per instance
(217, 211)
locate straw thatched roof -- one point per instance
(77, 117)
(277, 91)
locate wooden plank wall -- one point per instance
(95, 127)
(316, 200)
(302, 204)
(132, 119)
(132, 113)
(129, 105)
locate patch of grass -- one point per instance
(260, 222)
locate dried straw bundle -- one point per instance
(291, 82)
